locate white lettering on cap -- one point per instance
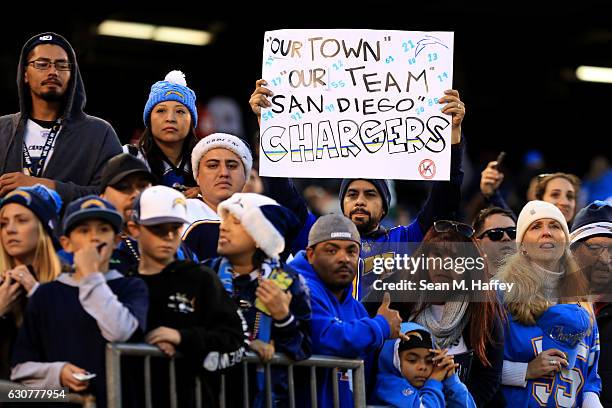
(340, 234)
(45, 37)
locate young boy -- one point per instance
(273, 296)
(190, 312)
(69, 321)
(413, 374)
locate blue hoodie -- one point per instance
(339, 328)
(393, 389)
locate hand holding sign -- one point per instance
(456, 108)
(259, 97)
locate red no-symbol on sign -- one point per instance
(427, 169)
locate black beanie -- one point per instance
(380, 184)
(47, 38)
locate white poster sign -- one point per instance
(356, 103)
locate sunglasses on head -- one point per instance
(496, 234)
(459, 227)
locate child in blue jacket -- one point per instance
(413, 374)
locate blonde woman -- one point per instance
(28, 216)
(545, 274)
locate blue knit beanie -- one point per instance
(172, 88)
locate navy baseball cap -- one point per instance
(564, 327)
(91, 207)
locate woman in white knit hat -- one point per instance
(544, 273)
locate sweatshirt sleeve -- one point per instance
(292, 334)
(497, 200)
(514, 373)
(591, 400)
(117, 322)
(457, 394)
(219, 338)
(350, 339)
(111, 146)
(38, 375)
(286, 194)
(445, 196)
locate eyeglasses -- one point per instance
(598, 248)
(44, 65)
(459, 227)
(496, 234)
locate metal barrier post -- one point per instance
(359, 395)
(291, 385)
(113, 375)
(114, 352)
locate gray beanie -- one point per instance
(333, 227)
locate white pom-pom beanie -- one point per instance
(172, 88)
(537, 210)
(222, 141)
(267, 222)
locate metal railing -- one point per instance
(114, 352)
(86, 400)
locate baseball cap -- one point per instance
(418, 337)
(564, 327)
(332, 227)
(90, 207)
(121, 166)
(160, 205)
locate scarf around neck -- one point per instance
(450, 327)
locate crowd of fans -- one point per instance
(178, 243)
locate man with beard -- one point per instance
(51, 140)
(495, 231)
(591, 244)
(340, 324)
(366, 201)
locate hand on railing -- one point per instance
(264, 350)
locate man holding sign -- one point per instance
(416, 141)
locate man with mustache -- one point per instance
(51, 140)
(366, 202)
(495, 231)
(340, 324)
(591, 244)
(222, 165)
